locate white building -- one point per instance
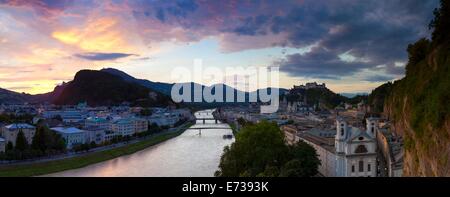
(71, 135)
(68, 116)
(2, 145)
(165, 119)
(290, 134)
(9, 132)
(356, 149)
(140, 125)
(109, 135)
(325, 152)
(347, 151)
(99, 122)
(123, 127)
(95, 134)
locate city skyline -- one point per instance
(352, 46)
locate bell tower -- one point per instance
(339, 140)
(341, 133)
(372, 126)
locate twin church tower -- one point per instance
(356, 154)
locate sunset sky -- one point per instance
(351, 45)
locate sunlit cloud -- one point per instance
(96, 35)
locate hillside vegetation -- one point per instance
(101, 88)
(419, 104)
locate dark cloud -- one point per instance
(379, 78)
(377, 31)
(319, 63)
(160, 15)
(163, 10)
(102, 56)
(251, 26)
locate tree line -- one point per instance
(44, 143)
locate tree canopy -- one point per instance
(260, 150)
(441, 23)
(21, 141)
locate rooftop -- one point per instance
(324, 142)
(96, 119)
(67, 130)
(20, 126)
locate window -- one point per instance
(342, 131)
(368, 167)
(361, 149)
(353, 168)
(361, 166)
(373, 129)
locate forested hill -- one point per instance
(101, 88)
(323, 96)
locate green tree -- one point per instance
(260, 150)
(146, 112)
(46, 140)
(303, 163)
(441, 23)
(241, 121)
(9, 146)
(93, 144)
(40, 139)
(21, 141)
(58, 117)
(417, 52)
(154, 128)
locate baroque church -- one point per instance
(356, 148)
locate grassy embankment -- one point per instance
(36, 169)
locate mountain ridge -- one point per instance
(101, 88)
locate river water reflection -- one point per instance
(188, 155)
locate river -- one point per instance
(188, 155)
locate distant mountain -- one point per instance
(10, 97)
(166, 88)
(101, 88)
(353, 95)
(110, 86)
(163, 88)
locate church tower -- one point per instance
(341, 135)
(372, 127)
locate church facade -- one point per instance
(356, 148)
(351, 152)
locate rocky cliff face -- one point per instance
(419, 106)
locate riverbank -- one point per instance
(36, 169)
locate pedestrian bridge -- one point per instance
(197, 128)
(206, 128)
(203, 120)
